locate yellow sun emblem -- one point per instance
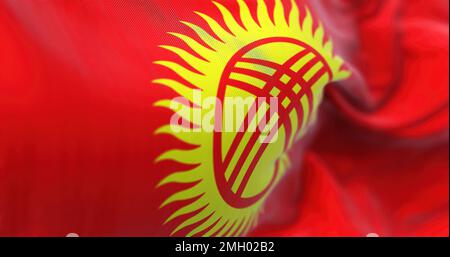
(284, 58)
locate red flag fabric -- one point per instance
(78, 121)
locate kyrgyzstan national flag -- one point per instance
(85, 145)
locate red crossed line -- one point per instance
(285, 91)
(271, 82)
(296, 77)
(265, 92)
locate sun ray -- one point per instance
(248, 226)
(207, 38)
(203, 51)
(181, 177)
(255, 220)
(178, 87)
(210, 228)
(232, 24)
(182, 156)
(208, 222)
(328, 48)
(246, 16)
(318, 35)
(278, 15)
(236, 226)
(263, 15)
(195, 63)
(243, 226)
(218, 30)
(181, 114)
(307, 25)
(187, 194)
(190, 76)
(191, 138)
(204, 214)
(224, 231)
(219, 225)
(294, 16)
(199, 204)
(164, 103)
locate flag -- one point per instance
(224, 118)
